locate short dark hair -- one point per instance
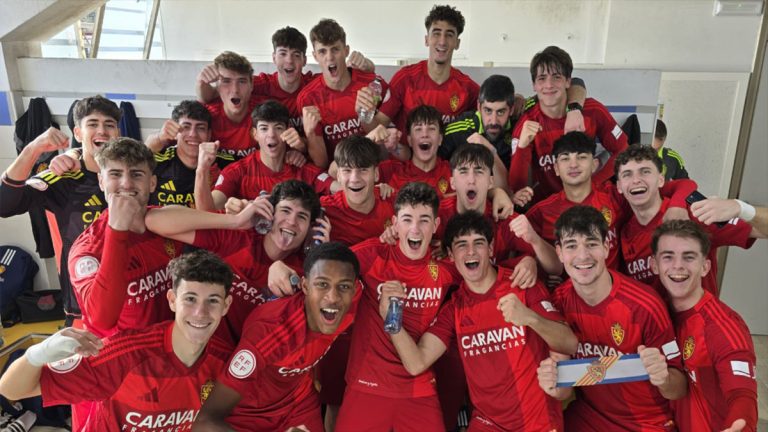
(446, 13)
(682, 229)
(128, 151)
(552, 59)
(574, 142)
(357, 151)
(331, 251)
(417, 193)
(327, 32)
(497, 88)
(637, 153)
(191, 109)
(661, 130)
(472, 154)
(584, 220)
(235, 62)
(291, 38)
(299, 191)
(271, 111)
(469, 222)
(200, 266)
(87, 106)
(424, 114)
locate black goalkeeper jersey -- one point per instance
(75, 201)
(176, 181)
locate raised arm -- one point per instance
(180, 223)
(203, 85)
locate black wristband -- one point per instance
(574, 106)
(11, 182)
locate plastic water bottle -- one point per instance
(365, 116)
(295, 282)
(310, 242)
(261, 224)
(394, 321)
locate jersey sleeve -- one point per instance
(223, 242)
(229, 180)
(320, 180)
(537, 299)
(97, 271)
(388, 168)
(246, 365)
(521, 159)
(444, 324)
(16, 199)
(611, 137)
(392, 101)
(735, 232)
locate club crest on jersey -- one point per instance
(205, 391)
(688, 347)
(617, 331)
(65, 365)
(596, 370)
(42, 167)
(454, 101)
(442, 185)
(2, 269)
(433, 270)
(607, 215)
(170, 248)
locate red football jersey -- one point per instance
(122, 275)
(500, 359)
(719, 359)
(374, 366)
(412, 86)
(350, 226)
(234, 138)
(632, 315)
(544, 214)
(538, 157)
(267, 87)
(136, 381)
(337, 108)
(245, 254)
(636, 247)
(272, 366)
(398, 174)
(247, 177)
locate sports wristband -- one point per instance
(55, 347)
(574, 106)
(747, 212)
(11, 182)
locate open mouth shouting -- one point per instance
(472, 264)
(333, 69)
(425, 146)
(414, 244)
(329, 314)
(235, 101)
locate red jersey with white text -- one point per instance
(398, 174)
(271, 368)
(267, 87)
(412, 86)
(337, 108)
(234, 137)
(120, 277)
(137, 382)
(636, 247)
(247, 177)
(538, 158)
(500, 359)
(719, 359)
(244, 251)
(632, 315)
(349, 226)
(374, 365)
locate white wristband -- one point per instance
(747, 212)
(55, 347)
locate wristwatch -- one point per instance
(573, 106)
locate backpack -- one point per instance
(17, 274)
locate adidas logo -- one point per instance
(169, 186)
(93, 201)
(151, 396)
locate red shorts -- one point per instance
(582, 417)
(306, 412)
(362, 412)
(332, 368)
